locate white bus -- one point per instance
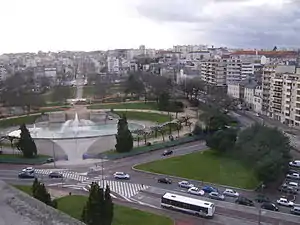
(189, 205)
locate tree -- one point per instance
(178, 127)
(266, 150)
(222, 140)
(99, 207)
(26, 144)
(124, 137)
(134, 85)
(163, 101)
(40, 192)
(61, 93)
(109, 207)
(162, 131)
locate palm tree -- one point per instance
(162, 131)
(178, 128)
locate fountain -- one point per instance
(75, 128)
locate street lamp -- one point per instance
(102, 170)
(53, 151)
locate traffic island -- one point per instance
(19, 159)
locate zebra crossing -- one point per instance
(124, 189)
(65, 172)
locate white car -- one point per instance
(28, 170)
(231, 193)
(121, 175)
(293, 184)
(285, 202)
(295, 176)
(185, 184)
(295, 163)
(196, 191)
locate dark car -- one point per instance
(244, 201)
(164, 180)
(292, 171)
(49, 160)
(288, 189)
(209, 189)
(55, 175)
(26, 175)
(167, 152)
(262, 199)
(269, 206)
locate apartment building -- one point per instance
(257, 100)
(214, 71)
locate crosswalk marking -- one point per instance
(124, 189)
(65, 172)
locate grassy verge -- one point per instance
(73, 206)
(206, 166)
(88, 91)
(4, 123)
(19, 159)
(153, 117)
(138, 105)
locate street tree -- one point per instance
(162, 131)
(134, 85)
(222, 140)
(164, 101)
(61, 93)
(123, 137)
(108, 207)
(266, 150)
(26, 144)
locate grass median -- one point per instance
(73, 206)
(19, 159)
(207, 166)
(145, 116)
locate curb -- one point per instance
(203, 182)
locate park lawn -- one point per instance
(137, 105)
(153, 117)
(25, 188)
(4, 123)
(207, 166)
(88, 91)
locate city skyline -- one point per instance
(94, 25)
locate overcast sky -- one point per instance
(32, 25)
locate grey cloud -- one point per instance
(260, 27)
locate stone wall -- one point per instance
(19, 208)
(57, 117)
(98, 116)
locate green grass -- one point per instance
(153, 117)
(19, 159)
(207, 166)
(88, 91)
(139, 105)
(4, 123)
(73, 206)
(25, 188)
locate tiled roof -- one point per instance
(266, 53)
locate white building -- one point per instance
(213, 71)
(257, 102)
(50, 73)
(235, 91)
(249, 93)
(113, 64)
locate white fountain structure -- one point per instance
(76, 125)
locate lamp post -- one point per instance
(102, 171)
(53, 151)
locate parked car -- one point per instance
(261, 199)
(26, 175)
(293, 176)
(293, 185)
(287, 189)
(285, 202)
(121, 175)
(209, 189)
(164, 180)
(185, 184)
(269, 206)
(28, 170)
(49, 160)
(292, 171)
(295, 210)
(216, 195)
(230, 193)
(244, 201)
(55, 175)
(295, 163)
(167, 152)
(196, 191)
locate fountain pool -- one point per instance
(74, 129)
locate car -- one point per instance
(293, 185)
(164, 180)
(26, 175)
(295, 163)
(287, 189)
(121, 175)
(231, 193)
(295, 210)
(167, 152)
(269, 206)
(216, 195)
(261, 199)
(50, 160)
(28, 170)
(209, 189)
(284, 202)
(195, 191)
(292, 171)
(185, 184)
(55, 175)
(293, 176)
(244, 201)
